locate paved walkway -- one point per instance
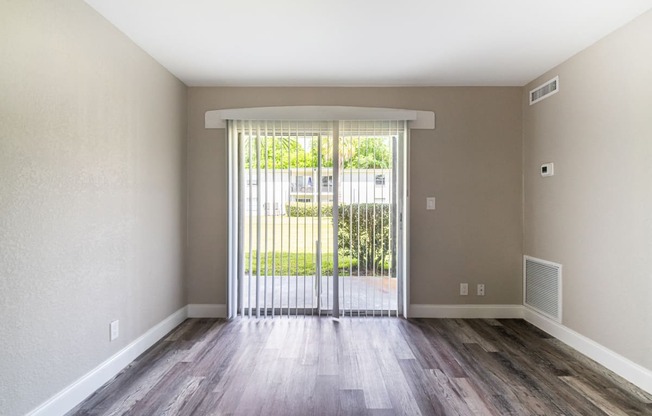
(356, 293)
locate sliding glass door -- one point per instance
(315, 217)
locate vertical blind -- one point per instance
(314, 217)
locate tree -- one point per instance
(370, 153)
(279, 153)
(354, 153)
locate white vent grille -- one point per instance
(542, 286)
(544, 91)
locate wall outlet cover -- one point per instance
(464, 289)
(480, 289)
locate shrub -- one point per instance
(364, 234)
(308, 209)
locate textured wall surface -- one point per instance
(92, 195)
(471, 162)
(595, 215)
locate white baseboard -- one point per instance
(466, 311)
(71, 396)
(206, 310)
(627, 369)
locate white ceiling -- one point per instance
(364, 42)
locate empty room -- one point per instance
(369, 207)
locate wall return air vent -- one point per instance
(545, 90)
(542, 286)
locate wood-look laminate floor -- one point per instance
(363, 366)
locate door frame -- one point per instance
(217, 119)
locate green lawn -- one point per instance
(299, 232)
(298, 236)
(301, 264)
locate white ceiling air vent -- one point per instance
(544, 91)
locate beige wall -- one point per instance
(92, 195)
(595, 215)
(471, 163)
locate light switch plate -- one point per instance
(430, 203)
(548, 169)
(114, 329)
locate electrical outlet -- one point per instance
(480, 289)
(464, 289)
(430, 203)
(114, 329)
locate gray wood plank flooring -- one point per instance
(363, 366)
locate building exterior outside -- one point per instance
(270, 191)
